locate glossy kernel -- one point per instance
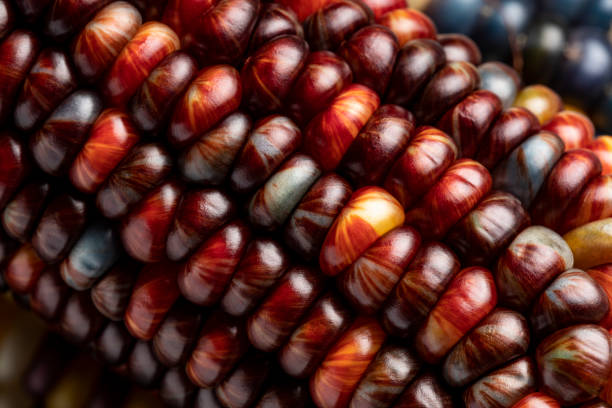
(469, 297)
(21, 214)
(503, 387)
(151, 106)
(310, 341)
(427, 157)
(500, 337)
(323, 77)
(593, 204)
(173, 341)
(591, 243)
(564, 184)
(268, 74)
(370, 53)
(415, 64)
(535, 257)
(150, 45)
(205, 275)
(408, 24)
(372, 277)
(65, 17)
(391, 371)
(575, 129)
(453, 196)
(211, 157)
(305, 230)
(215, 92)
(50, 80)
(378, 145)
(145, 229)
(111, 294)
(59, 227)
(574, 363)
(200, 214)
(18, 52)
(470, 120)
(221, 34)
(602, 147)
(324, 30)
(273, 321)
(603, 276)
(221, 343)
(145, 167)
(58, 141)
(370, 213)
(541, 100)
(154, 293)
(96, 250)
(273, 203)
(329, 135)
(447, 87)
(338, 375)
(110, 139)
(524, 171)
(488, 229)
(510, 129)
(574, 297)
(99, 43)
(425, 280)
(459, 47)
(261, 266)
(275, 20)
(501, 79)
(272, 140)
